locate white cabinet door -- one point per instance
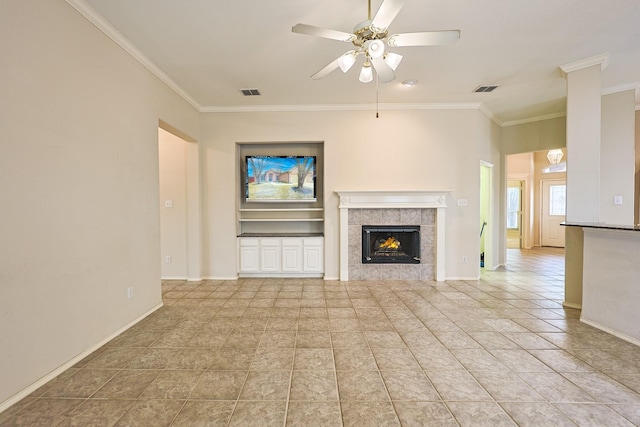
(313, 256)
(249, 255)
(291, 255)
(270, 260)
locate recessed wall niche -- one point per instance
(279, 217)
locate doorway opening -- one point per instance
(486, 260)
(514, 214)
(180, 240)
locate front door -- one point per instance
(554, 201)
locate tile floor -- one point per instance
(497, 352)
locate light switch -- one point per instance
(617, 200)
(168, 203)
(462, 202)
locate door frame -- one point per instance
(521, 211)
(489, 254)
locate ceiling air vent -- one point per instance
(250, 92)
(485, 88)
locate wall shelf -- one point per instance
(283, 218)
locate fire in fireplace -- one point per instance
(391, 244)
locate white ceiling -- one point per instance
(213, 48)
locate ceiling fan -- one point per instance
(369, 38)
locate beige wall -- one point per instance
(402, 150)
(617, 158)
(79, 184)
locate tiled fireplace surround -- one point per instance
(424, 208)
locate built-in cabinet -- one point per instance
(280, 239)
(276, 256)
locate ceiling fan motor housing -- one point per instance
(365, 32)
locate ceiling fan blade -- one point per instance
(389, 9)
(385, 72)
(326, 70)
(310, 30)
(426, 38)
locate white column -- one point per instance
(584, 118)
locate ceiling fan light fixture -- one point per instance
(366, 74)
(375, 48)
(346, 61)
(392, 60)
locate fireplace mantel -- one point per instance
(389, 199)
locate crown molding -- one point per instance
(535, 119)
(634, 86)
(484, 110)
(602, 60)
(341, 107)
(103, 25)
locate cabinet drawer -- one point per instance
(249, 242)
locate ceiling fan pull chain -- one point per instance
(377, 116)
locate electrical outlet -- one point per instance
(168, 259)
(129, 293)
(464, 259)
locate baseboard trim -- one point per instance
(220, 278)
(610, 331)
(572, 305)
(51, 375)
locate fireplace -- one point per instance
(389, 207)
(391, 244)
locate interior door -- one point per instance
(554, 202)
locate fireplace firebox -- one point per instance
(391, 244)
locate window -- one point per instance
(513, 207)
(557, 200)
(560, 167)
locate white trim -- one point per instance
(110, 31)
(535, 119)
(610, 331)
(572, 305)
(342, 107)
(51, 375)
(634, 86)
(381, 199)
(602, 60)
(403, 199)
(220, 278)
(484, 110)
